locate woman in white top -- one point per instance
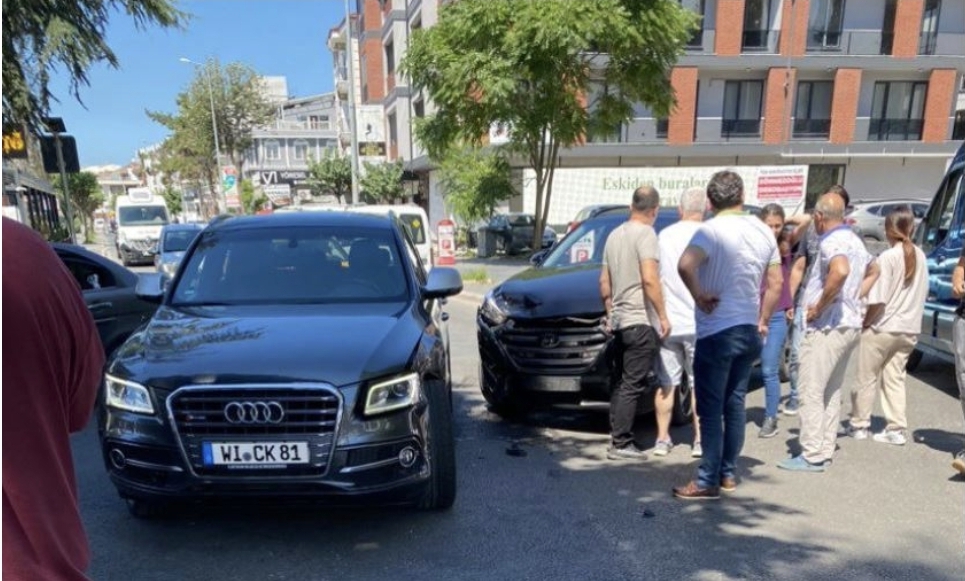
(891, 327)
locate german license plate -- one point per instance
(263, 454)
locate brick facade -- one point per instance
(777, 104)
(683, 118)
(794, 28)
(844, 105)
(907, 28)
(371, 53)
(729, 31)
(938, 105)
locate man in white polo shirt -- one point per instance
(723, 268)
(834, 316)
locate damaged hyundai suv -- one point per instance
(298, 355)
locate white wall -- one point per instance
(890, 178)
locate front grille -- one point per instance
(143, 245)
(562, 346)
(310, 415)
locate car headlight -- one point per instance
(491, 311)
(396, 393)
(127, 395)
(168, 268)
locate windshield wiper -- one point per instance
(203, 304)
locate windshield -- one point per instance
(178, 240)
(584, 245)
(142, 216)
(314, 265)
(414, 226)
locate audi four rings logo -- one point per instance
(254, 412)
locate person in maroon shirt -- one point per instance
(52, 367)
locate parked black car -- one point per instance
(514, 232)
(293, 355)
(109, 291)
(541, 335)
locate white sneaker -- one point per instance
(662, 448)
(895, 437)
(697, 451)
(858, 433)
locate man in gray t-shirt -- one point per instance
(631, 292)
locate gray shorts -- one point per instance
(676, 358)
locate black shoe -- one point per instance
(769, 428)
(628, 452)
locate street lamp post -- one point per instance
(214, 129)
(353, 124)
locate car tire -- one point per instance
(914, 358)
(501, 401)
(144, 509)
(440, 491)
(683, 412)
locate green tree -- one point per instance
(240, 106)
(331, 175)
(381, 183)
(475, 181)
(251, 199)
(86, 196)
(69, 35)
(532, 66)
(173, 199)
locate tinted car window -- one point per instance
(88, 275)
(293, 265)
(141, 215)
(414, 226)
(178, 240)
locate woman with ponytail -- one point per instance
(891, 327)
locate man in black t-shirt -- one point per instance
(958, 333)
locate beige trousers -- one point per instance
(881, 362)
(824, 359)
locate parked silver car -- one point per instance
(867, 217)
(173, 242)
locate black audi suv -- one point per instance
(292, 355)
(541, 336)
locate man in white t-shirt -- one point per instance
(677, 350)
(723, 267)
(834, 315)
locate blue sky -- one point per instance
(275, 37)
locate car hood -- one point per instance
(573, 291)
(336, 344)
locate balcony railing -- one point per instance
(759, 41)
(292, 125)
(819, 40)
(895, 129)
(812, 128)
(740, 128)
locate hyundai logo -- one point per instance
(254, 412)
(549, 340)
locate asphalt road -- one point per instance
(561, 511)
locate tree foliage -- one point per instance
(331, 175)
(70, 35)
(86, 196)
(475, 181)
(173, 199)
(381, 183)
(532, 66)
(240, 106)
(251, 199)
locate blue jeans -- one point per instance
(722, 369)
(771, 362)
(793, 361)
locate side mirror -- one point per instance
(443, 282)
(538, 258)
(150, 287)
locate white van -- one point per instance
(414, 219)
(140, 216)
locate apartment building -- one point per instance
(277, 163)
(860, 92)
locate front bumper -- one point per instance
(548, 361)
(155, 458)
(138, 249)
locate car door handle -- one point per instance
(444, 316)
(100, 306)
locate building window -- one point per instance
(393, 130)
(929, 27)
(599, 133)
(663, 127)
(696, 6)
(272, 151)
(389, 58)
(888, 27)
(824, 24)
(757, 18)
(301, 150)
(742, 109)
(812, 109)
(897, 111)
(419, 109)
(958, 129)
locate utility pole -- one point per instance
(351, 106)
(219, 194)
(55, 125)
